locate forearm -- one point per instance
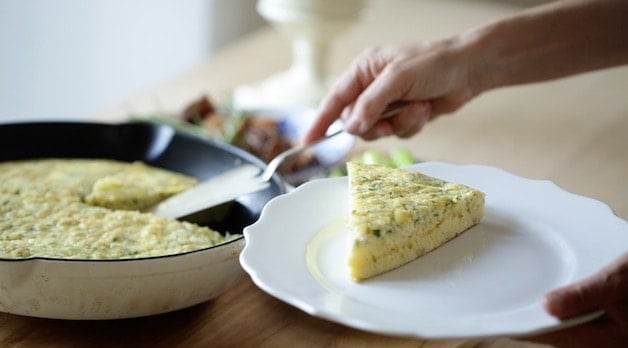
(551, 41)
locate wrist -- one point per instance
(476, 57)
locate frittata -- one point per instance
(399, 215)
(91, 209)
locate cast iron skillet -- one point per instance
(154, 144)
(113, 289)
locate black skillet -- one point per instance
(155, 144)
(124, 288)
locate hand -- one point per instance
(432, 78)
(606, 290)
(438, 77)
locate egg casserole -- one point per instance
(398, 215)
(92, 209)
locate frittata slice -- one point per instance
(137, 186)
(399, 215)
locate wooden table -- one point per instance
(573, 132)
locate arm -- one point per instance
(555, 40)
(546, 42)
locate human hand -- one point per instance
(606, 290)
(431, 78)
(559, 39)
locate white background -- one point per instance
(72, 58)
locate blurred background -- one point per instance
(71, 58)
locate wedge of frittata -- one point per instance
(398, 215)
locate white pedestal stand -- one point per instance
(311, 24)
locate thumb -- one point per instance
(599, 291)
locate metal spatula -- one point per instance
(226, 186)
(233, 183)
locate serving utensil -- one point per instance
(227, 186)
(235, 182)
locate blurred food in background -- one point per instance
(258, 133)
(266, 135)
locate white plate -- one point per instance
(490, 281)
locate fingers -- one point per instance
(599, 291)
(342, 95)
(409, 121)
(412, 119)
(606, 290)
(327, 114)
(365, 91)
(331, 108)
(382, 76)
(390, 86)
